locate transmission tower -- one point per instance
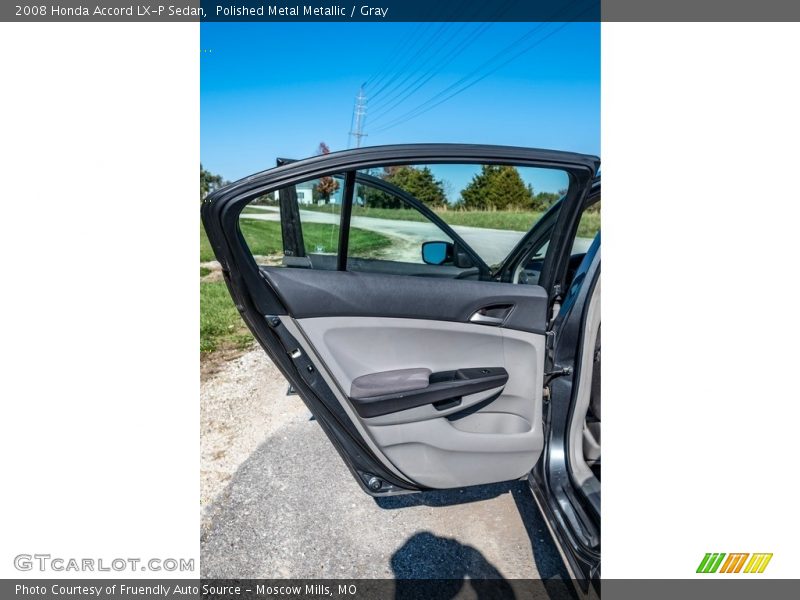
(359, 117)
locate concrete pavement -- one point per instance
(288, 506)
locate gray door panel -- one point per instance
(454, 447)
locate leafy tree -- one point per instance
(372, 197)
(497, 187)
(421, 184)
(326, 186)
(544, 200)
(418, 182)
(209, 182)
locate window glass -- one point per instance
(435, 219)
(385, 226)
(490, 207)
(588, 227)
(310, 236)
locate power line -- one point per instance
(412, 87)
(404, 52)
(420, 64)
(411, 59)
(432, 102)
(478, 69)
(382, 109)
(385, 69)
(403, 93)
(439, 14)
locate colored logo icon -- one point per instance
(717, 562)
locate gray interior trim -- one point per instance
(422, 413)
(312, 293)
(313, 356)
(499, 442)
(591, 442)
(399, 380)
(444, 389)
(581, 472)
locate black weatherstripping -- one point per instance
(444, 390)
(344, 227)
(308, 293)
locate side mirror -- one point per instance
(437, 253)
(445, 253)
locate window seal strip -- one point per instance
(344, 221)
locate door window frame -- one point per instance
(224, 206)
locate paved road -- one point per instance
(280, 503)
(492, 245)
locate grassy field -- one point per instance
(251, 210)
(221, 327)
(514, 221)
(220, 323)
(206, 253)
(264, 238)
(508, 220)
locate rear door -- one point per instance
(386, 311)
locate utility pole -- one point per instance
(359, 117)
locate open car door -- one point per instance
(425, 371)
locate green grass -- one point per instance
(221, 327)
(508, 220)
(589, 225)
(401, 214)
(206, 253)
(251, 210)
(220, 323)
(264, 238)
(511, 221)
(514, 221)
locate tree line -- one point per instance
(209, 182)
(495, 187)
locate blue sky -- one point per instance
(278, 89)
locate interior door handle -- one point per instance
(379, 394)
(491, 315)
(485, 319)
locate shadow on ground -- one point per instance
(292, 510)
(427, 556)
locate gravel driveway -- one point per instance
(278, 502)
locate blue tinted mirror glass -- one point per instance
(434, 253)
